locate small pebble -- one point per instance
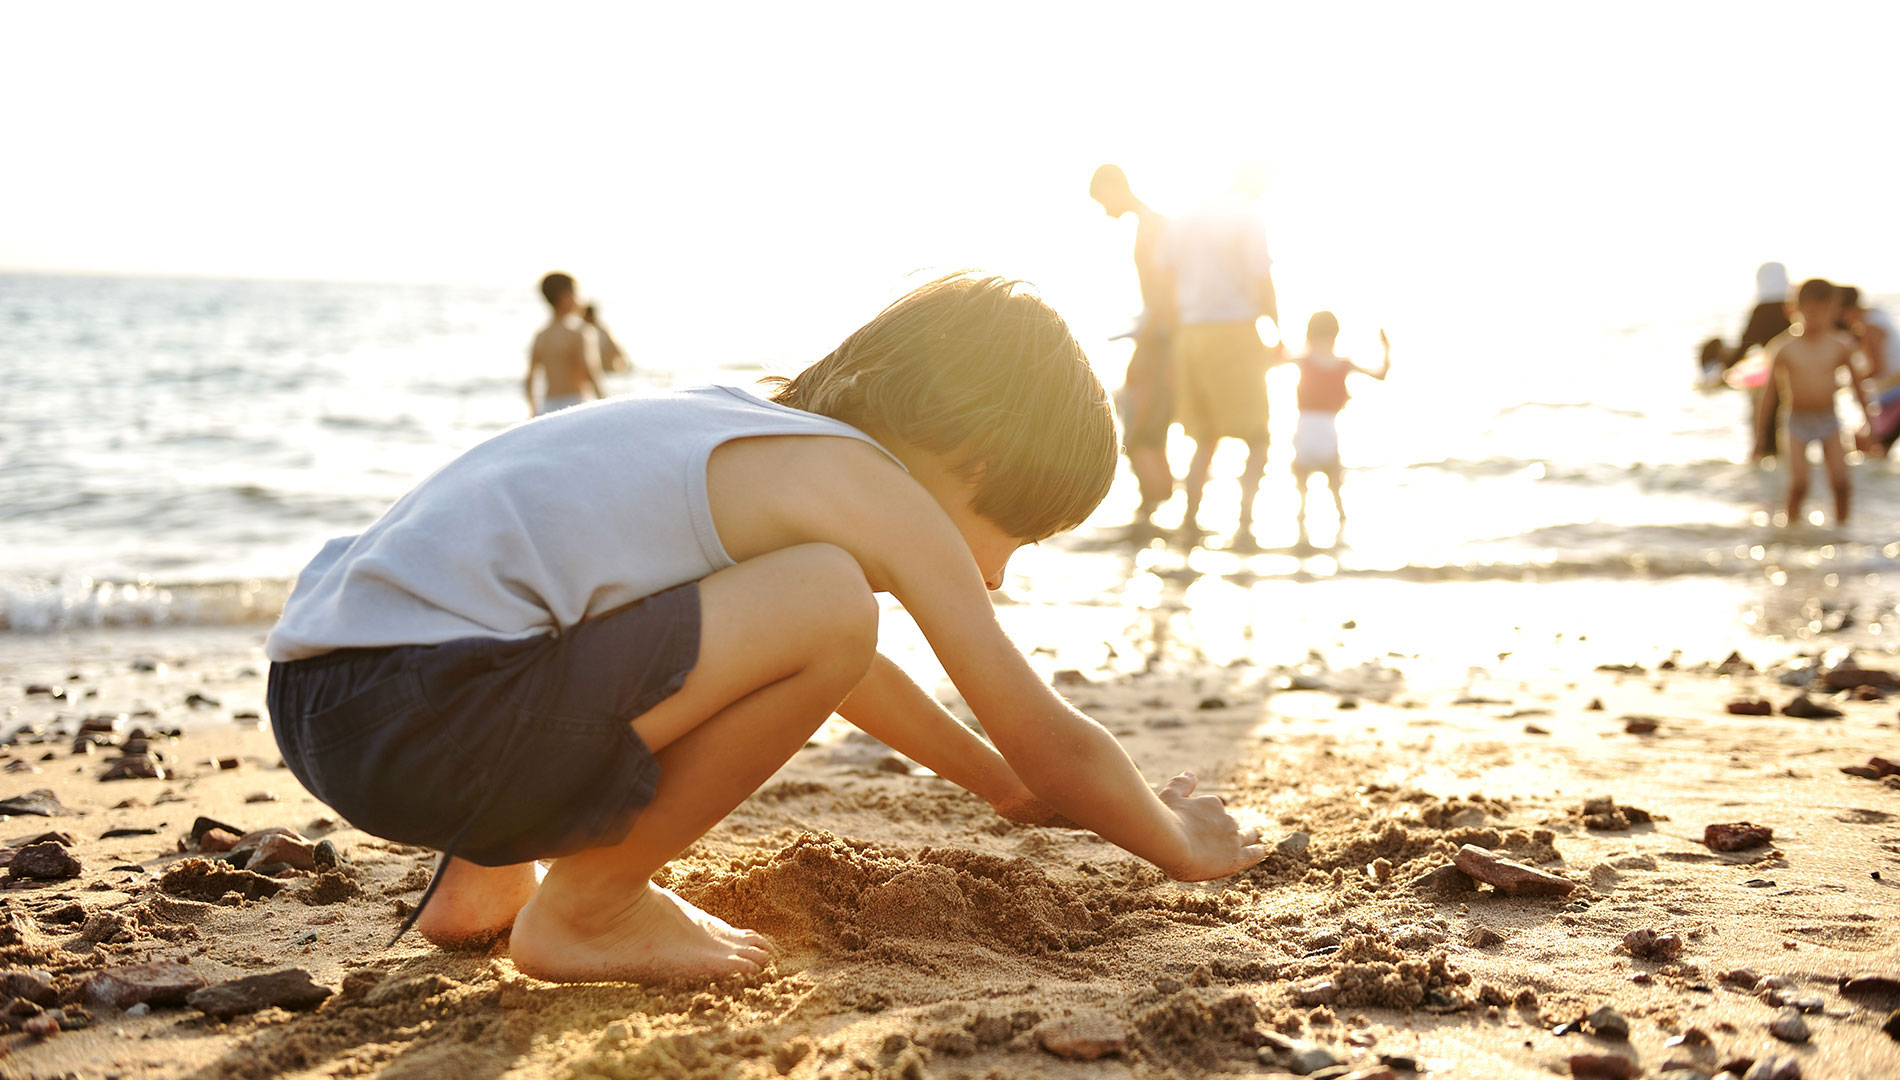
(1788, 1025)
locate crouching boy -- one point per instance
(529, 658)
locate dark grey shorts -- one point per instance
(501, 751)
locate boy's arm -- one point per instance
(527, 384)
(906, 545)
(892, 708)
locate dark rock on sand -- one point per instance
(201, 701)
(1507, 876)
(204, 825)
(113, 834)
(44, 861)
(152, 984)
(1483, 937)
(1603, 1066)
(1608, 1023)
(1641, 725)
(1083, 1037)
(1647, 944)
(1851, 676)
(1876, 768)
(1750, 707)
(1596, 705)
(135, 767)
(1875, 986)
(325, 855)
(1788, 1025)
(1804, 707)
(290, 989)
(41, 801)
(1736, 836)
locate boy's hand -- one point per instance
(1216, 844)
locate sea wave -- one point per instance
(79, 603)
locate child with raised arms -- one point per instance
(529, 657)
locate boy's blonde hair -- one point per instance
(978, 370)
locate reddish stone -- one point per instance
(1647, 944)
(1750, 707)
(290, 989)
(287, 848)
(1509, 877)
(152, 984)
(1736, 836)
(217, 840)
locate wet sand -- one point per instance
(920, 935)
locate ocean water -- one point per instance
(173, 450)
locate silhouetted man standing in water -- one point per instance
(1221, 277)
(1146, 399)
(566, 352)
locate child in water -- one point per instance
(1322, 394)
(524, 660)
(1805, 366)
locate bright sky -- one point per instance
(684, 159)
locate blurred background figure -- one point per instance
(1873, 332)
(1146, 398)
(1767, 320)
(1217, 263)
(1805, 369)
(1322, 396)
(566, 353)
(613, 359)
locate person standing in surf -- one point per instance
(1147, 394)
(1805, 366)
(1221, 283)
(1322, 396)
(566, 352)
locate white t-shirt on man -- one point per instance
(1216, 254)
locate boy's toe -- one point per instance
(755, 957)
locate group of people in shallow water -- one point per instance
(1206, 279)
(1813, 341)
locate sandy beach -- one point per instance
(920, 935)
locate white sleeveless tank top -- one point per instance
(564, 517)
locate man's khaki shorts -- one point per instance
(1220, 381)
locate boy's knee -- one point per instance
(840, 600)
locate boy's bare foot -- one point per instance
(474, 905)
(653, 937)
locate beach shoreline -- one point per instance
(920, 935)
